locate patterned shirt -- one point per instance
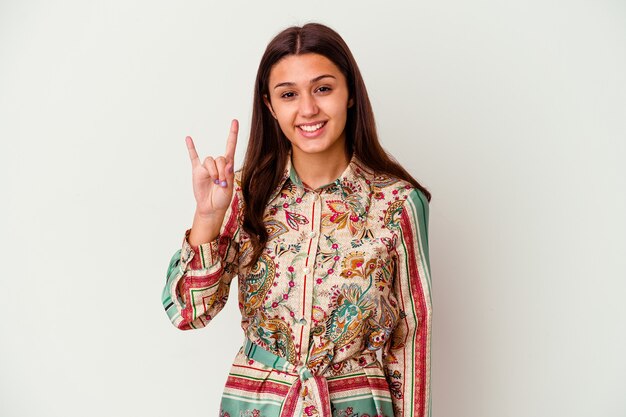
(343, 281)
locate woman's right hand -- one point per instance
(213, 179)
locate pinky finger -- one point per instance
(193, 155)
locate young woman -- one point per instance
(328, 238)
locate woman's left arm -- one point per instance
(406, 355)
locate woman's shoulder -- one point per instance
(391, 188)
(237, 193)
(238, 174)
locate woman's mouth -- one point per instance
(311, 131)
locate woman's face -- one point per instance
(308, 95)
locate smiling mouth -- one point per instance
(312, 128)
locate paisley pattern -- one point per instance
(345, 275)
(258, 283)
(350, 311)
(273, 333)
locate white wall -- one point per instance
(511, 112)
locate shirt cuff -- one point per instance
(201, 256)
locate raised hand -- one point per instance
(213, 179)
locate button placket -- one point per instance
(309, 271)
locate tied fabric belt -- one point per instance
(315, 385)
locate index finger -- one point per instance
(231, 142)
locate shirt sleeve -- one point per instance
(199, 277)
(406, 354)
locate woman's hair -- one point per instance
(268, 147)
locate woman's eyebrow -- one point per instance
(314, 80)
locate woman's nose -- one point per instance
(308, 106)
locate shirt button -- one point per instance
(312, 234)
(306, 270)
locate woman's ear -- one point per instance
(350, 102)
(269, 105)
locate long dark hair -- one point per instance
(268, 147)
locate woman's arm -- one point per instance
(199, 276)
(406, 356)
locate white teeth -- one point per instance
(312, 128)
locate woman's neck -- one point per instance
(316, 170)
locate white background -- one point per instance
(512, 113)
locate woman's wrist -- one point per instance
(205, 228)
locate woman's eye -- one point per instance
(287, 94)
(324, 89)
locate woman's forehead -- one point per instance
(303, 69)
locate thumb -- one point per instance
(230, 172)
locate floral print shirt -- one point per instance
(344, 281)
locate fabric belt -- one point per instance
(314, 385)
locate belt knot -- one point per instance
(304, 373)
(311, 384)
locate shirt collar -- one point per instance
(355, 172)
